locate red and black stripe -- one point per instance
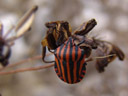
(70, 63)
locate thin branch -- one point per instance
(21, 62)
(9, 31)
(27, 69)
(24, 61)
(100, 57)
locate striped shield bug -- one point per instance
(70, 65)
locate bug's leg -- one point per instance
(86, 27)
(44, 54)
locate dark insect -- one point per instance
(22, 27)
(71, 50)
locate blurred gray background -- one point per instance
(112, 19)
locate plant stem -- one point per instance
(27, 69)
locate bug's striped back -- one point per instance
(70, 63)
